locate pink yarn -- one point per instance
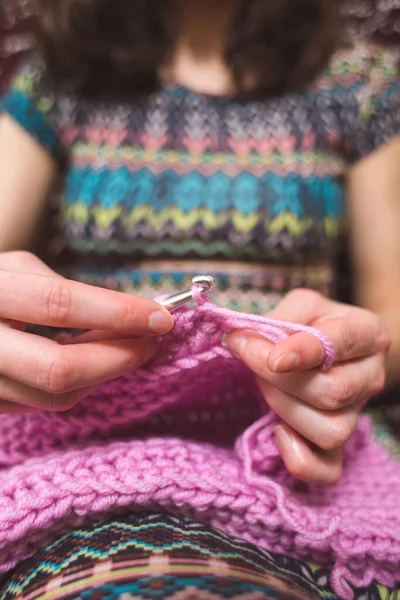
(191, 434)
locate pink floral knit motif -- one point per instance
(191, 434)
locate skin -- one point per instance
(319, 410)
(46, 375)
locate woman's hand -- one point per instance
(40, 374)
(319, 409)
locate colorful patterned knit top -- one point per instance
(253, 188)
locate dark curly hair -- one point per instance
(118, 47)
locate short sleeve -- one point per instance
(31, 103)
(378, 100)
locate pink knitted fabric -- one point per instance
(191, 435)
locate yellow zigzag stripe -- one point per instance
(296, 226)
(290, 222)
(105, 217)
(331, 226)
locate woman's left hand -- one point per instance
(319, 409)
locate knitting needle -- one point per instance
(173, 302)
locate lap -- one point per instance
(161, 556)
(153, 556)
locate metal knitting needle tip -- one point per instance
(173, 302)
(206, 281)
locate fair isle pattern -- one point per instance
(180, 175)
(194, 201)
(160, 557)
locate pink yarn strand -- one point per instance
(273, 329)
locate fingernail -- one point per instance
(283, 438)
(237, 343)
(160, 322)
(286, 362)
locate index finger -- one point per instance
(356, 335)
(57, 302)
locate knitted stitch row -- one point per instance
(191, 434)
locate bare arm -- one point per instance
(26, 174)
(53, 376)
(374, 205)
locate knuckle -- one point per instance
(293, 294)
(128, 314)
(57, 375)
(379, 332)
(14, 257)
(299, 468)
(384, 340)
(260, 360)
(378, 382)
(131, 363)
(305, 295)
(22, 255)
(337, 432)
(339, 393)
(376, 322)
(58, 302)
(347, 337)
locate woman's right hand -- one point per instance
(41, 374)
